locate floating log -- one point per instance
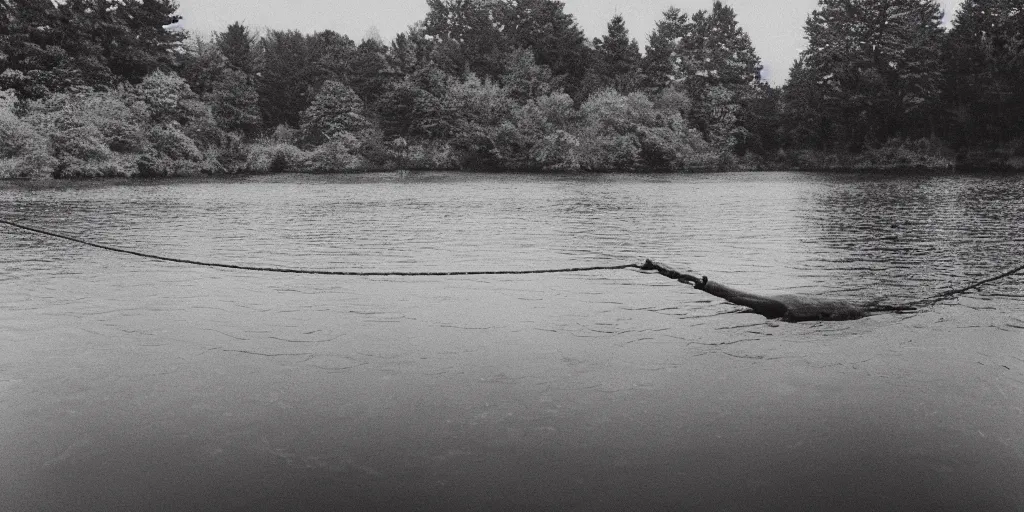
(790, 308)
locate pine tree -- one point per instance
(658, 65)
(469, 35)
(284, 83)
(238, 45)
(50, 46)
(476, 36)
(803, 123)
(34, 61)
(235, 102)
(878, 65)
(330, 58)
(714, 50)
(984, 55)
(618, 57)
(129, 37)
(721, 73)
(370, 73)
(553, 35)
(712, 60)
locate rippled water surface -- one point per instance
(131, 384)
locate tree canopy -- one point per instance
(504, 84)
(49, 47)
(617, 58)
(877, 65)
(984, 55)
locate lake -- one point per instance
(132, 384)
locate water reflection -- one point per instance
(905, 235)
(130, 384)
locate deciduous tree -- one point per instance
(335, 111)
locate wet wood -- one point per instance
(787, 307)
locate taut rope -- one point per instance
(314, 272)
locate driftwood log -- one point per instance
(790, 308)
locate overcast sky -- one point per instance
(776, 27)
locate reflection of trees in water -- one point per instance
(736, 224)
(913, 235)
(597, 215)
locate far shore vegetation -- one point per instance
(102, 88)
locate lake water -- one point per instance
(131, 384)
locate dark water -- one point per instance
(128, 384)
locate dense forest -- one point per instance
(112, 88)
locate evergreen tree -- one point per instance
(470, 38)
(131, 38)
(370, 72)
(201, 64)
(760, 117)
(32, 57)
(238, 46)
(553, 35)
(803, 123)
(618, 57)
(984, 55)
(235, 102)
(658, 65)
(284, 86)
(51, 47)
(877, 63)
(476, 36)
(713, 61)
(330, 57)
(714, 50)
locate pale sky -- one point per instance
(776, 28)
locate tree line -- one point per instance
(109, 87)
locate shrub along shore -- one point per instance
(110, 88)
(160, 128)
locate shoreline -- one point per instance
(798, 161)
(973, 168)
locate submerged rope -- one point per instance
(314, 272)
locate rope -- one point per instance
(909, 306)
(314, 272)
(960, 291)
